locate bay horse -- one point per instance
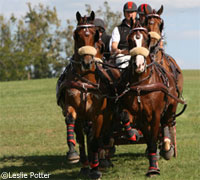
(83, 97)
(149, 93)
(154, 23)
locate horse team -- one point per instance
(113, 106)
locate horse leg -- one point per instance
(94, 146)
(168, 148)
(153, 161)
(95, 173)
(72, 155)
(151, 136)
(105, 152)
(133, 134)
(83, 157)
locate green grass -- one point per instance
(33, 137)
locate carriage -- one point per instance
(113, 107)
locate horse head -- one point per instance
(139, 41)
(154, 23)
(85, 36)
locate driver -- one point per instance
(118, 43)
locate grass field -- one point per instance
(33, 137)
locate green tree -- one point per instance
(42, 42)
(10, 69)
(67, 35)
(35, 46)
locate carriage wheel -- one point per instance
(172, 131)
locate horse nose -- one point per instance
(138, 36)
(88, 59)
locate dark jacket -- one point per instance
(106, 40)
(124, 30)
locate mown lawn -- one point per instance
(33, 137)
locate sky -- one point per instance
(181, 21)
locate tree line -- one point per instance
(37, 45)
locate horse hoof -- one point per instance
(168, 154)
(84, 171)
(105, 163)
(95, 174)
(112, 151)
(153, 172)
(73, 157)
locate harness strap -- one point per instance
(86, 80)
(84, 87)
(155, 87)
(85, 26)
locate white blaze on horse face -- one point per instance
(140, 61)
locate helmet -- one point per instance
(99, 23)
(142, 8)
(130, 6)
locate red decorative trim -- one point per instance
(153, 168)
(94, 165)
(128, 123)
(130, 5)
(145, 6)
(133, 138)
(70, 130)
(142, 7)
(71, 125)
(129, 129)
(152, 154)
(72, 140)
(140, 132)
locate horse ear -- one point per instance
(96, 36)
(92, 16)
(160, 11)
(78, 16)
